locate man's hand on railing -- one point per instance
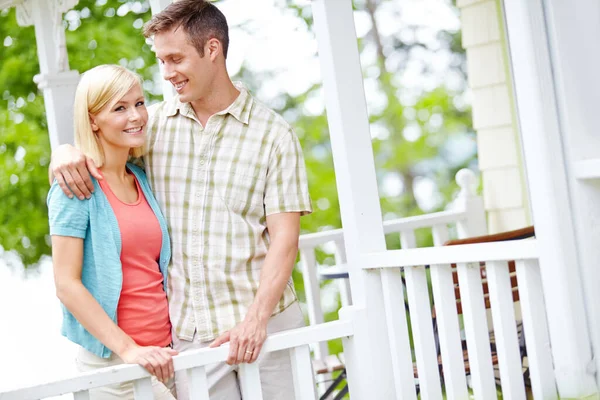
(245, 340)
(72, 169)
(157, 360)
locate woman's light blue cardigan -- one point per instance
(95, 222)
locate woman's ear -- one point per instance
(93, 123)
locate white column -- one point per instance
(357, 187)
(59, 92)
(157, 6)
(55, 80)
(575, 65)
(535, 87)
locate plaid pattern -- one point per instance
(216, 185)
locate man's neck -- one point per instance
(220, 97)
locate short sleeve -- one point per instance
(67, 217)
(287, 186)
(153, 124)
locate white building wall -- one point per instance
(504, 188)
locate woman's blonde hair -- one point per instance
(96, 89)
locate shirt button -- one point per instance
(202, 162)
(198, 194)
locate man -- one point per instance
(229, 175)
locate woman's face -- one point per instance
(122, 122)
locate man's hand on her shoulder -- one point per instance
(71, 169)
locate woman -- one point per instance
(110, 253)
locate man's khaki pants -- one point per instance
(275, 368)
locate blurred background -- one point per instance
(414, 71)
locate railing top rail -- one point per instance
(311, 240)
(424, 221)
(465, 253)
(112, 375)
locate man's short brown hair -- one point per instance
(200, 20)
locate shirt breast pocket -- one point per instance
(242, 191)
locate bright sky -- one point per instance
(32, 348)
(282, 43)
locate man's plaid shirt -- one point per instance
(216, 185)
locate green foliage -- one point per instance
(93, 37)
(23, 185)
(426, 137)
(422, 138)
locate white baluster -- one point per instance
(402, 366)
(82, 395)
(343, 284)
(535, 328)
(447, 322)
(312, 290)
(197, 383)
(304, 383)
(476, 331)
(505, 330)
(422, 324)
(440, 234)
(142, 389)
(249, 377)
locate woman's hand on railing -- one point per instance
(157, 360)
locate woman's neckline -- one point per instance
(105, 185)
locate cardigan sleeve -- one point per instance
(67, 217)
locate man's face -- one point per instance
(190, 74)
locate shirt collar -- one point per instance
(240, 108)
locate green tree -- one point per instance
(420, 139)
(421, 136)
(97, 32)
(414, 137)
(24, 147)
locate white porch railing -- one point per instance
(194, 362)
(425, 376)
(481, 366)
(415, 367)
(467, 210)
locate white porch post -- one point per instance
(553, 214)
(56, 81)
(157, 6)
(576, 61)
(357, 190)
(475, 224)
